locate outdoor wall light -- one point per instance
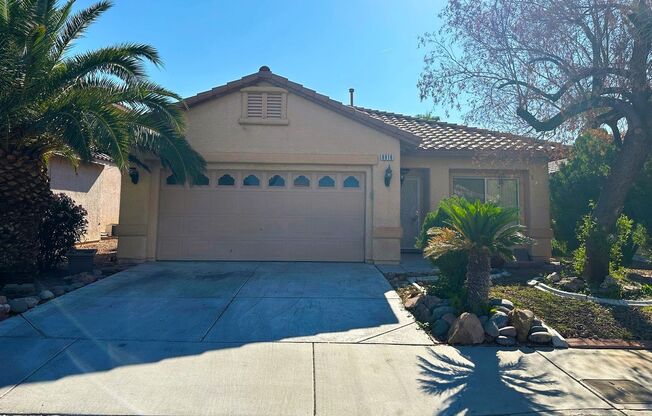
(134, 175)
(388, 176)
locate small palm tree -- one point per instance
(482, 230)
(53, 101)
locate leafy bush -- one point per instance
(580, 181)
(63, 225)
(623, 243)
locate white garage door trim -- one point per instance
(264, 215)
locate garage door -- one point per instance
(269, 215)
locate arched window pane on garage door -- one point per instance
(326, 182)
(226, 180)
(301, 181)
(171, 180)
(201, 180)
(251, 180)
(276, 181)
(351, 182)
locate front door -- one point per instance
(410, 211)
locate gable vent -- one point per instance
(274, 105)
(255, 105)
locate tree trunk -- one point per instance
(628, 165)
(478, 279)
(24, 197)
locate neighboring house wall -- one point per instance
(534, 199)
(95, 186)
(315, 139)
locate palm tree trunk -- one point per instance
(478, 279)
(24, 197)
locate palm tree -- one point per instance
(482, 230)
(53, 101)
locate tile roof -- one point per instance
(438, 135)
(424, 135)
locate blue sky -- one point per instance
(327, 45)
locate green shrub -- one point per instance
(452, 266)
(63, 225)
(580, 181)
(623, 243)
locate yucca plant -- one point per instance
(482, 230)
(54, 101)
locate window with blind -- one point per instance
(262, 106)
(501, 191)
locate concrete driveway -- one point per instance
(275, 339)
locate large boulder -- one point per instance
(467, 330)
(505, 341)
(3, 300)
(440, 311)
(508, 331)
(500, 318)
(491, 329)
(431, 301)
(45, 295)
(553, 277)
(450, 318)
(421, 313)
(412, 302)
(540, 337)
(440, 328)
(521, 319)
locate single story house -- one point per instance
(296, 176)
(95, 185)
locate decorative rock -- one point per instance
(86, 278)
(58, 290)
(76, 286)
(537, 322)
(538, 328)
(421, 313)
(553, 277)
(32, 301)
(502, 309)
(18, 305)
(431, 301)
(483, 319)
(3, 300)
(466, 330)
(502, 302)
(97, 273)
(500, 319)
(506, 341)
(609, 282)
(46, 295)
(540, 337)
(521, 319)
(491, 329)
(572, 284)
(450, 318)
(412, 302)
(440, 311)
(508, 331)
(440, 328)
(27, 288)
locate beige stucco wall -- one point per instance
(533, 187)
(314, 139)
(95, 186)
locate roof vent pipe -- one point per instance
(351, 90)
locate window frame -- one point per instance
(489, 175)
(308, 176)
(346, 176)
(234, 175)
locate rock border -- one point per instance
(579, 296)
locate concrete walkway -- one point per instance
(280, 339)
